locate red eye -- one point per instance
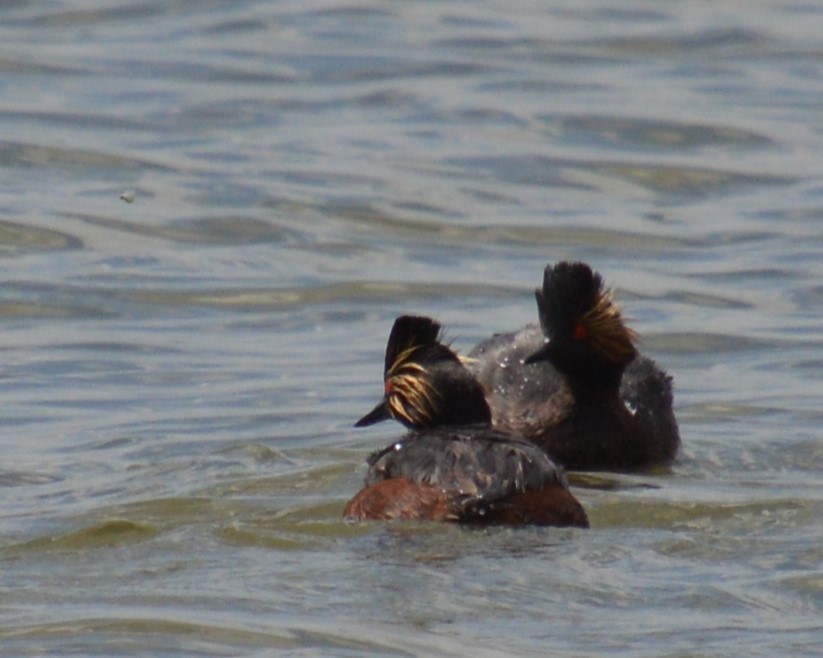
(388, 387)
(579, 332)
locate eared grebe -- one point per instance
(581, 392)
(452, 466)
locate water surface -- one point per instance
(210, 214)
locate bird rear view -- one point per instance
(452, 466)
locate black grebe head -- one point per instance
(425, 383)
(587, 339)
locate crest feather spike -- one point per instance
(410, 333)
(574, 302)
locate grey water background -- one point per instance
(181, 367)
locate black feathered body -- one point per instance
(467, 475)
(478, 464)
(611, 412)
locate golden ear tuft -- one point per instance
(413, 398)
(607, 333)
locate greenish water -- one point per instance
(181, 367)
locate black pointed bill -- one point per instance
(376, 415)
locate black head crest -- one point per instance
(409, 339)
(425, 384)
(576, 309)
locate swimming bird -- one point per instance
(579, 388)
(452, 465)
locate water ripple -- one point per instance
(180, 373)
(223, 230)
(643, 134)
(20, 238)
(31, 156)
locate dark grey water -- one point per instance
(181, 367)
